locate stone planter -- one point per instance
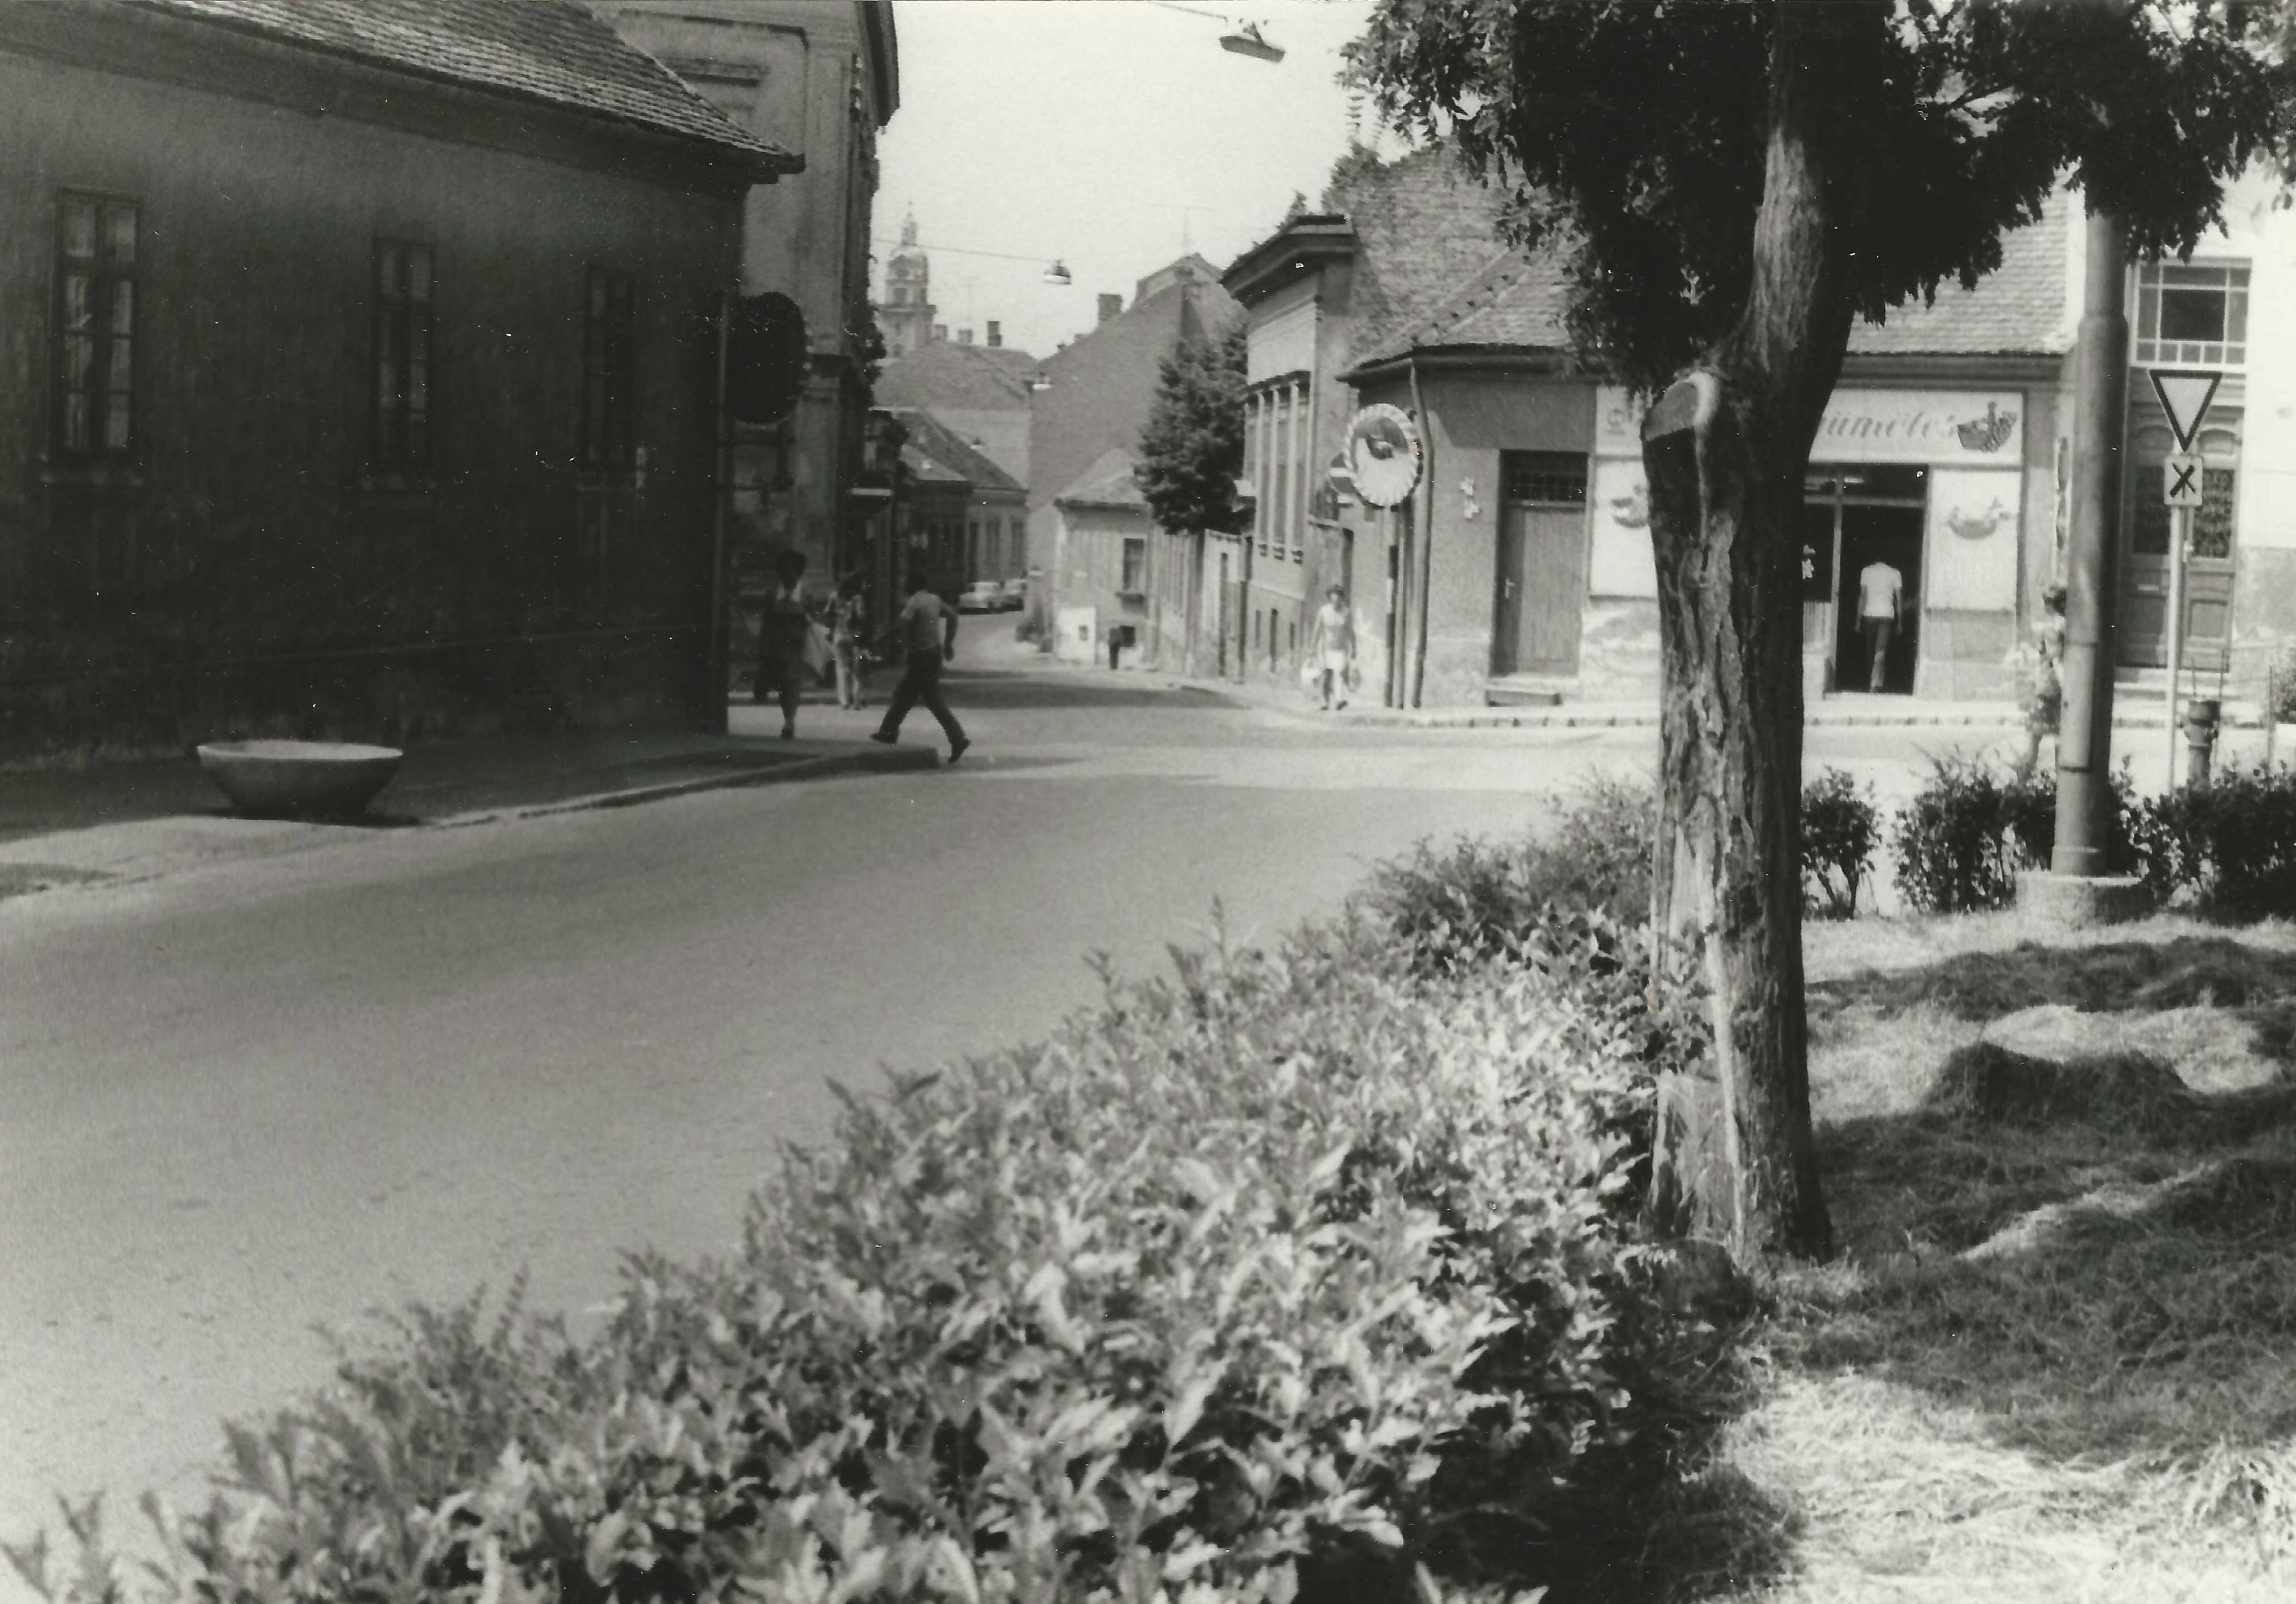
(299, 779)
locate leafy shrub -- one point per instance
(1469, 901)
(1294, 1270)
(1841, 832)
(1954, 848)
(2231, 842)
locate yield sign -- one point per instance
(2185, 396)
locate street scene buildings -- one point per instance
(825, 800)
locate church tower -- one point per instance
(905, 315)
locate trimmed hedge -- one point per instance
(1308, 1272)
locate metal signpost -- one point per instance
(2185, 394)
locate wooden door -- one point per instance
(1542, 590)
(1540, 600)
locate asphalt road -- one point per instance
(275, 1093)
(270, 1095)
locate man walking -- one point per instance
(926, 632)
(1881, 603)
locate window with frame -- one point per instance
(1281, 462)
(96, 326)
(403, 302)
(1135, 566)
(1547, 478)
(2194, 312)
(608, 336)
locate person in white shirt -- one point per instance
(1334, 646)
(1881, 603)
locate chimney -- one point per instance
(1110, 305)
(940, 331)
(965, 336)
(995, 333)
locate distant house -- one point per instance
(1094, 393)
(1121, 587)
(358, 370)
(983, 391)
(989, 540)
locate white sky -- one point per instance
(1077, 129)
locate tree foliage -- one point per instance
(1635, 135)
(1192, 447)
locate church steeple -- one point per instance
(906, 316)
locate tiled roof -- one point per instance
(1108, 482)
(543, 50)
(2023, 306)
(944, 372)
(1514, 303)
(944, 445)
(1423, 227)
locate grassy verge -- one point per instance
(2053, 1361)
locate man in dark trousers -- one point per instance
(926, 635)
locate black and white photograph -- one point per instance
(1147, 801)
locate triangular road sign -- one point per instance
(2185, 396)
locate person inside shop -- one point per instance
(1881, 607)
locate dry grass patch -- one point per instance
(2057, 1357)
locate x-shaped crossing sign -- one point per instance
(2182, 479)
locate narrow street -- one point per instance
(270, 1095)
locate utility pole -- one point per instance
(2085, 799)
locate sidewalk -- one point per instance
(1836, 712)
(103, 821)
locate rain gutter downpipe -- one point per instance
(1424, 510)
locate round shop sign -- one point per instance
(1383, 453)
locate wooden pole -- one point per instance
(2100, 415)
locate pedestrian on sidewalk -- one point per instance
(1881, 603)
(782, 635)
(2045, 702)
(845, 631)
(1335, 645)
(926, 634)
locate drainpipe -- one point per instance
(1425, 509)
(721, 490)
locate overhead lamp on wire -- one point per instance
(1058, 274)
(1243, 39)
(1248, 40)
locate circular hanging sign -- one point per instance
(1383, 453)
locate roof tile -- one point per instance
(545, 50)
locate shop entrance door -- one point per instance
(1878, 514)
(1540, 594)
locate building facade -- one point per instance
(1393, 238)
(1094, 395)
(820, 79)
(988, 536)
(354, 380)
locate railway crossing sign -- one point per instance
(2181, 480)
(2185, 396)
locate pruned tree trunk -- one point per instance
(1726, 451)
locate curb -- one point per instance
(892, 760)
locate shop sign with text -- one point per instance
(1950, 427)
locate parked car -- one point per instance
(982, 595)
(1016, 595)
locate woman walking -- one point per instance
(845, 628)
(782, 638)
(1335, 645)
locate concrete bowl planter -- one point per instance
(291, 779)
